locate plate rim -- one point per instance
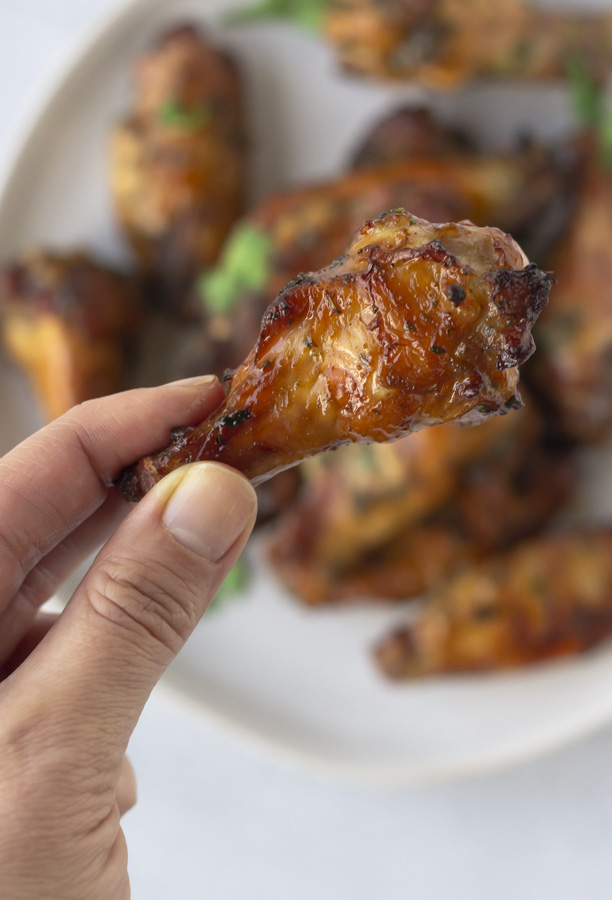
(23, 135)
(54, 81)
(375, 775)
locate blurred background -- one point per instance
(219, 816)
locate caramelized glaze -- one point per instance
(416, 325)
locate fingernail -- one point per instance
(209, 509)
(194, 382)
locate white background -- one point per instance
(217, 820)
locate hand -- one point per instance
(74, 688)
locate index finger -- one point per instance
(57, 478)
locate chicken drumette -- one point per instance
(407, 133)
(549, 597)
(573, 372)
(416, 325)
(300, 230)
(69, 322)
(390, 520)
(444, 43)
(178, 161)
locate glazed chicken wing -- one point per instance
(300, 230)
(406, 133)
(358, 498)
(69, 322)
(546, 598)
(178, 161)
(574, 369)
(416, 325)
(444, 43)
(390, 520)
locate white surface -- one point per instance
(219, 821)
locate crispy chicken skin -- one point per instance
(574, 369)
(390, 520)
(69, 323)
(301, 230)
(445, 43)
(548, 597)
(178, 161)
(416, 325)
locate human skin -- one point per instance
(72, 688)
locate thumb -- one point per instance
(140, 601)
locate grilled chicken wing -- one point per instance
(178, 161)
(69, 322)
(406, 567)
(416, 325)
(549, 597)
(444, 43)
(574, 369)
(358, 498)
(389, 520)
(406, 133)
(299, 231)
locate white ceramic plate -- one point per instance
(300, 683)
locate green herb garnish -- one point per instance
(233, 586)
(233, 420)
(590, 106)
(308, 14)
(368, 457)
(244, 267)
(587, 96)
(605, 140)
(182, 118)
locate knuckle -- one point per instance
(154, 603)
(80, 410)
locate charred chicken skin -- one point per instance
(416, 325)
(546, 598)
(178, 161)
(69, 323)
(574, 370)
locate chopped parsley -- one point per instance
(514, 402)
(233, 420)
(180, 117)
(234, 585)
(455, 293)
(243, 268)
(308, 14)
(590, 106)
(586, 95)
